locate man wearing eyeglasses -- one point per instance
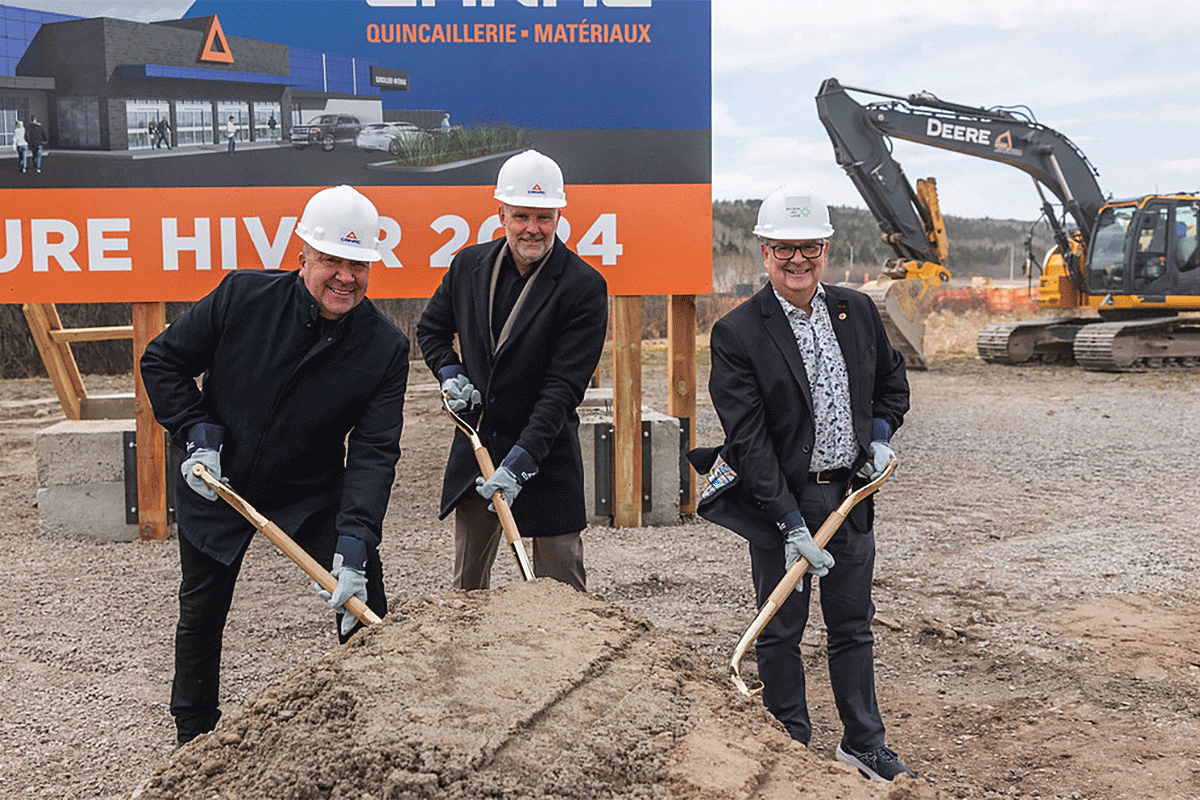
(809, 392)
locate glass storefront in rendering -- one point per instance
(139, 116)
(193, 122)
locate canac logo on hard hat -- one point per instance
(798, 207)
(536, 189)
(350, 237)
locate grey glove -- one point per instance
(881, 455)
(461, 393)
(351, 580)
(798, 543)
(516, 468)
(211, 459)
(503, 480)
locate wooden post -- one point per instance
(57, 356)
(148, 320)
(627, 412)
(681, 343)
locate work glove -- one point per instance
(461, 393)
(203, 447)
(798, 543)
(881, 455)
(350, 569)
(516, 468)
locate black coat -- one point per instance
(760, 390)
(287, 396)
(533, 383)
(35, 135)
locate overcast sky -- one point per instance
(1122, 81)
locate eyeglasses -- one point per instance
(785, 250)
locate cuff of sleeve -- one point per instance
(353, 552)
(520, 463)
(205, 435)
(789, 521)
(446, 373)
(880, 430)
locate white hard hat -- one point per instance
(532, 180)
(789, 215)
(341, 222)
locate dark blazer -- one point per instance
(533, 382)
(762, 395)
(287, 395)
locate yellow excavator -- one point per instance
(1134, 262)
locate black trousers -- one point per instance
(205, 595)
(847, 609)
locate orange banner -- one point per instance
(152, 244)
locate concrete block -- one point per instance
(664, 461)
(96, 510)
(81, 479)
(81, 452)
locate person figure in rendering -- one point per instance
(530, 318)
(35, 140)
(163, 133)
(231, 131)
(301, 412)
(809, 392)
(19, 145)
(445, 123)
(152, 133)
(271, 123)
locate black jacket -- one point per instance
(760, 390)
(531, 385)
(287, 396)
(35, 135)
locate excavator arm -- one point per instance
(1007, 135)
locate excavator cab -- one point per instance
(1144, 250)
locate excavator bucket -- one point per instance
(903, 305)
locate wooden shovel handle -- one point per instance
(285, 543)
(507, 521)
(790, 578)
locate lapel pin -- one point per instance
(842, 315)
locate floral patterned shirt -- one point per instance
(835, 447)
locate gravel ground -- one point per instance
(1036, 586)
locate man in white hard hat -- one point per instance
(300, 411)
(530, 317)
(809, 392)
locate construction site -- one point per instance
(1032, 634)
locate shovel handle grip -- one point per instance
(285, 543)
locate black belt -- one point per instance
(831, 476)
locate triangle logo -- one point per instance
(215, 47)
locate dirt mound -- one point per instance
(528, 691)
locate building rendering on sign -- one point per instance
(101, 83)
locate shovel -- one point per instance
(793, 576)
(511, 534)
(285, 543)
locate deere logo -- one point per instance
(536, 189)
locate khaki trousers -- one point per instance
(477, 535)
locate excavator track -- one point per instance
(1046, 340)
(1143, 344)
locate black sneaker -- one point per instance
(880, 764)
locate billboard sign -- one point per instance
(154, 199)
